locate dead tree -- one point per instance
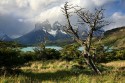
(94, 20)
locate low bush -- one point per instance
(10, 59)
(70, 52)
(76, 69)
(46, 53)
(29, 56)
(105, 55)
(120, 54)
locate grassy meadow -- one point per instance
(57, 71)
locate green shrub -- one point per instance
(105, 55)
(46, 53)
(77, 69)
(29, 56)
(120, 54)
(10, 59)
(70, 52)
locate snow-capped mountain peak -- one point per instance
(46, 27)
(44, 30)
(43, 25)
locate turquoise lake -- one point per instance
(26, 49)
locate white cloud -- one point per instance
(52, 14)
(49, 9)
(37, 4)
(4, 2)
(22, 3)
(117, 19)
(40, 10)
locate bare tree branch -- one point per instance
(94, 20)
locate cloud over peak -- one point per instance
(27, 12)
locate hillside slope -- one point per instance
(114, 38)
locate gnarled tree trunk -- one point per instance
(90, 63)
(89, 60)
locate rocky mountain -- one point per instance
(44, 31)
(4, 37)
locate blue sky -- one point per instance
(116, 6)
(17, 17)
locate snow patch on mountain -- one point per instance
(44, 29)
(63, 32)
(53, 32)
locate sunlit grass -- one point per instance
(60, 72)
(116, 64)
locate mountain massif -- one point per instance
(44, 31)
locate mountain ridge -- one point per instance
(43, 31)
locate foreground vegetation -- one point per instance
(65, 66)
(54, 71)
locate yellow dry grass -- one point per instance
(48, 66)
(116, 64)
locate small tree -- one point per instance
(94, 20)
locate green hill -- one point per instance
(114, 38)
